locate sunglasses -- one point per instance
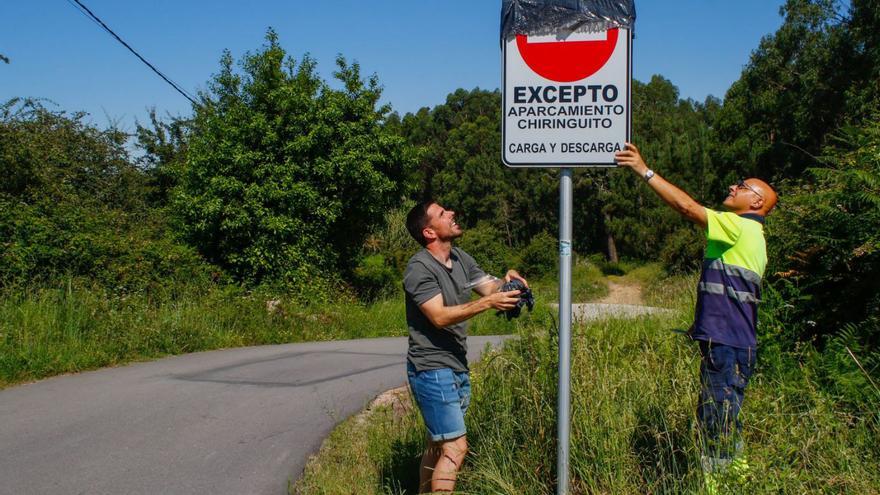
(741, 184)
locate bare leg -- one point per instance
(426, 470)
(452, 454)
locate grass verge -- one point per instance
(380, 447)
(634, 385)
(45, 332)
(51, 331)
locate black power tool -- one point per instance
(525, 299)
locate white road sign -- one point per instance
(566, 98)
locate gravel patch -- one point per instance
(599, 311)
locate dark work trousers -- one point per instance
(724, 374)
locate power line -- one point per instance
(89, 14)
(83, 12)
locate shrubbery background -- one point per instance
(294, 187)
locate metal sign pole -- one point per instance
(564, 399)
(546, 75)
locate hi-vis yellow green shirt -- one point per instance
(730, 284)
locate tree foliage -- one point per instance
(460, 165)
(675, 137)
(52, 156)
(281, 176)
(285, 175)
(164, 147)
(826, 240)
(813, 79)
(817, 73)
(803, 114)
(73, 204)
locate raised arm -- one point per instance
(679, 200)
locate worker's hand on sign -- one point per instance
(514, 275)
(630, 157)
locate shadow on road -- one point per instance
(250, 372)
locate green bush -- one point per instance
(392, 240)
(825, 239)
(75, 207)
(485, 244)
(848, 369)
(374, 277)
(285, 174)
(683, 251)
(541, 257)
(122, 252)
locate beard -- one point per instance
(452, 235)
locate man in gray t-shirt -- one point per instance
(424, 279)
(438, 282)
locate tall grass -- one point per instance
(48, 331)
(634, 394)
(632, 403)
(374, 453)
(74, 327)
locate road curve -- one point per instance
(235, 421)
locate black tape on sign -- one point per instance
(535, 17)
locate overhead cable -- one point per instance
(89, 14)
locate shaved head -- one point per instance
(766, 192)
(750, 196)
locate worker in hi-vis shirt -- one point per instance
(727, 299)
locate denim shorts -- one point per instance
(443, 396)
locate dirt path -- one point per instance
(624, 300)
(623, 293)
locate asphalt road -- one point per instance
(236, 421)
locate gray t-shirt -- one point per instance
(425, 277)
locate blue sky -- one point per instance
(420, 49)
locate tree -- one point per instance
(164, 146)
(460, 164)
(72, 204)
(675, 137)
(803, 114)
(817, 73)
(285, 176)
(826, 240)
(55, 157)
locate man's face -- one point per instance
(743, 196)
(443, 223)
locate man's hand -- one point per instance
(503, 301)
(514, 275)
(630, 157)
(442, 316)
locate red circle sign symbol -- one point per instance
(567, 61)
